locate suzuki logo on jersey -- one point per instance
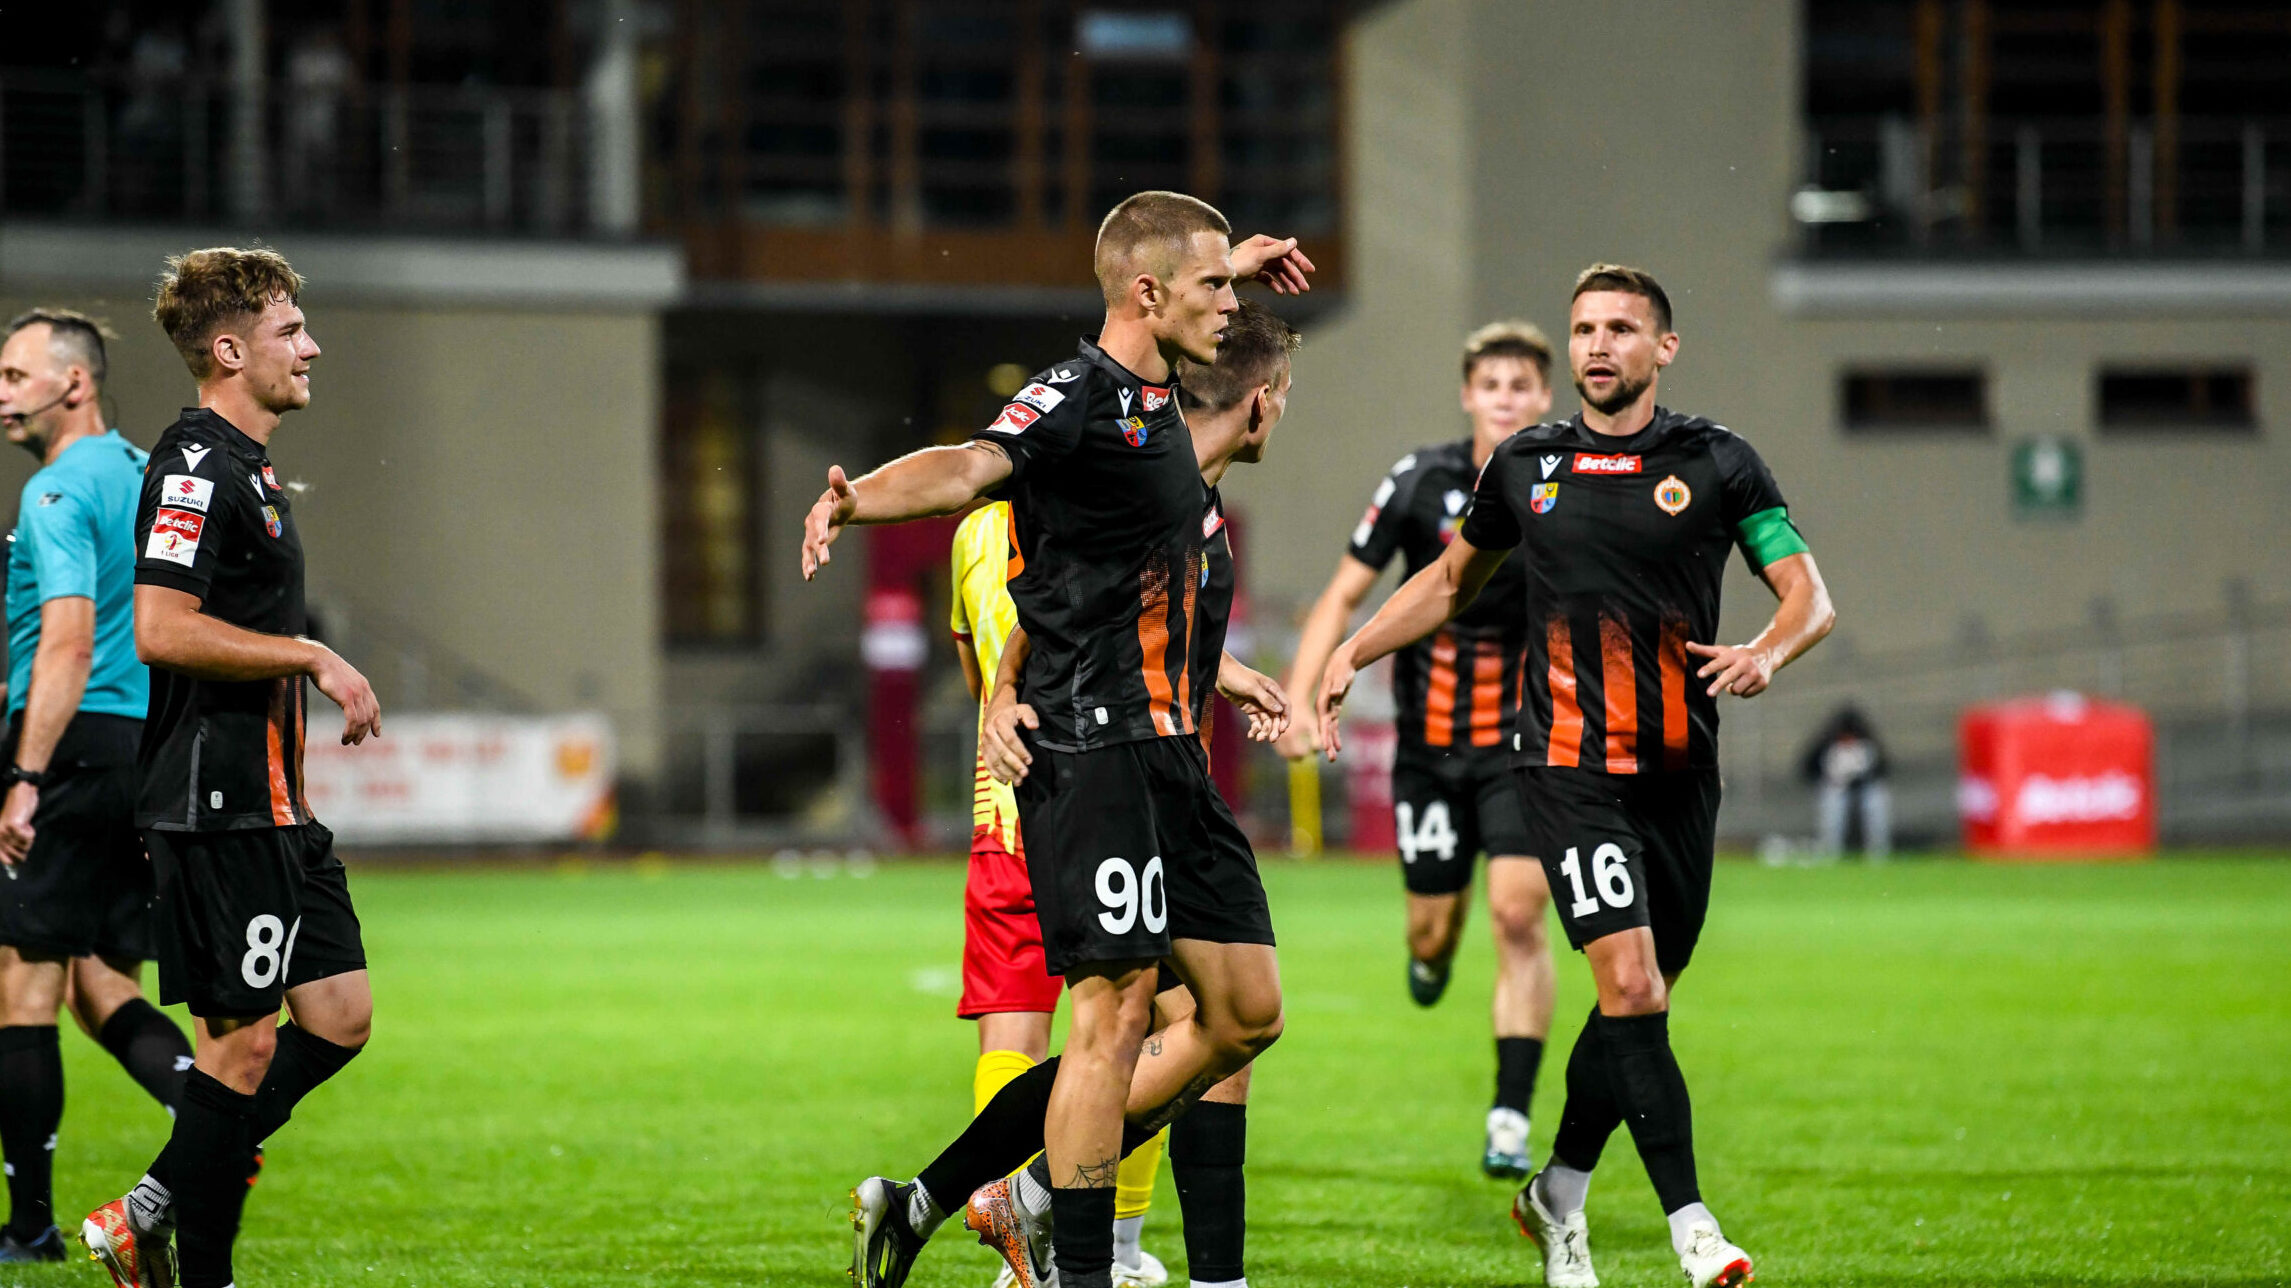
(1673, 495)
(184, 491)
(1587, 463)
(1551, 463)
(1015, 418)
(1040, 397)
(174, 536)
(1134, 431)
(1543, 497)
(1155, 399)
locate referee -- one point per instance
(77, 900)
(254, 911)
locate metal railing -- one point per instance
(754, 776)
(2218, 685)
(2046, 187)
(370, 158)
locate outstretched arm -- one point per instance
(1803, 618)
(1421, 606)
(1324, 629)
(933, 481)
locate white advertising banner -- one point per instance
(464, 779)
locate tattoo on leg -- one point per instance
(1170, 1112)
(1094, 1176)
(1151, 1046)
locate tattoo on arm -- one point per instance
(1094, 1176)
(1151, 1046)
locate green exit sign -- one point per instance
(2048, 477)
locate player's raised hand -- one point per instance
(1275, 261)
(1740, 670)
(1258, 696)
(1000, 745)
(825, 522)
(16, 825)
(1336, 682)
(340, 681)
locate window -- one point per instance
(2170, 398)
(1896, 400)
(708, 484)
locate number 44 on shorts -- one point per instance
(1610, 874)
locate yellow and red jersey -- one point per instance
(984, 614)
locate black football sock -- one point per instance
(993, 1144)
(1004, 1135)
(1516, 1061)
(1207, 1148)
(149, 1046)
(1082, 1237)
(1591, 1114)
(211, 1146)
(1652, 1092)
(302, 1062)
(31, 1108)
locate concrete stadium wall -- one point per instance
(481, 480)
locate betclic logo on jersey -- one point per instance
(174, 536)
(1155, 398)
(1015, 418)
(1591, 463)
(186, 492)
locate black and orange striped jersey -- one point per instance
(220, 755)
(1623, 545)
(1213, 611)
(1106, 509)
(1456, 689)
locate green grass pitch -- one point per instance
(1930, 1073)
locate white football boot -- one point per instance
(1566, 1244)
(1711, 1262)
(1147, 1273)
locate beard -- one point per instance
(1625, 393)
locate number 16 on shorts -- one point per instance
(1601, 896)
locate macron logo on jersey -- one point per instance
(1550, 463)
(1586, 463)
(193, 455)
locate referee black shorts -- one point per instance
(1626, 850)
(85, 887)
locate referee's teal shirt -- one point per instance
(75, 535)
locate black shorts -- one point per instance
(1448, 810)
(1625, 850)
(246, 915)
(1129, 847)
(85, 887)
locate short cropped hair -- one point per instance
(1628, 281)
(1156, 228)
(1510, 338)
(203, 291)
(1256, 348)
(73, 336)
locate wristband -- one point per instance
(18, 774)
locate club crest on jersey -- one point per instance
(1592, 463)
(1134, 431)
(271, 522)
(1673, 495)
(1543, 498)
(1155, 399)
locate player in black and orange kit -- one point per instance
(1132, 856)
(253, 908)
(1452, 797)
(1624, 517)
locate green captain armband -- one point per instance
(1769, 535)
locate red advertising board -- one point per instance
(2056, 777)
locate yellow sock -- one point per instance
(1133, 1185)
(995, 1070)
